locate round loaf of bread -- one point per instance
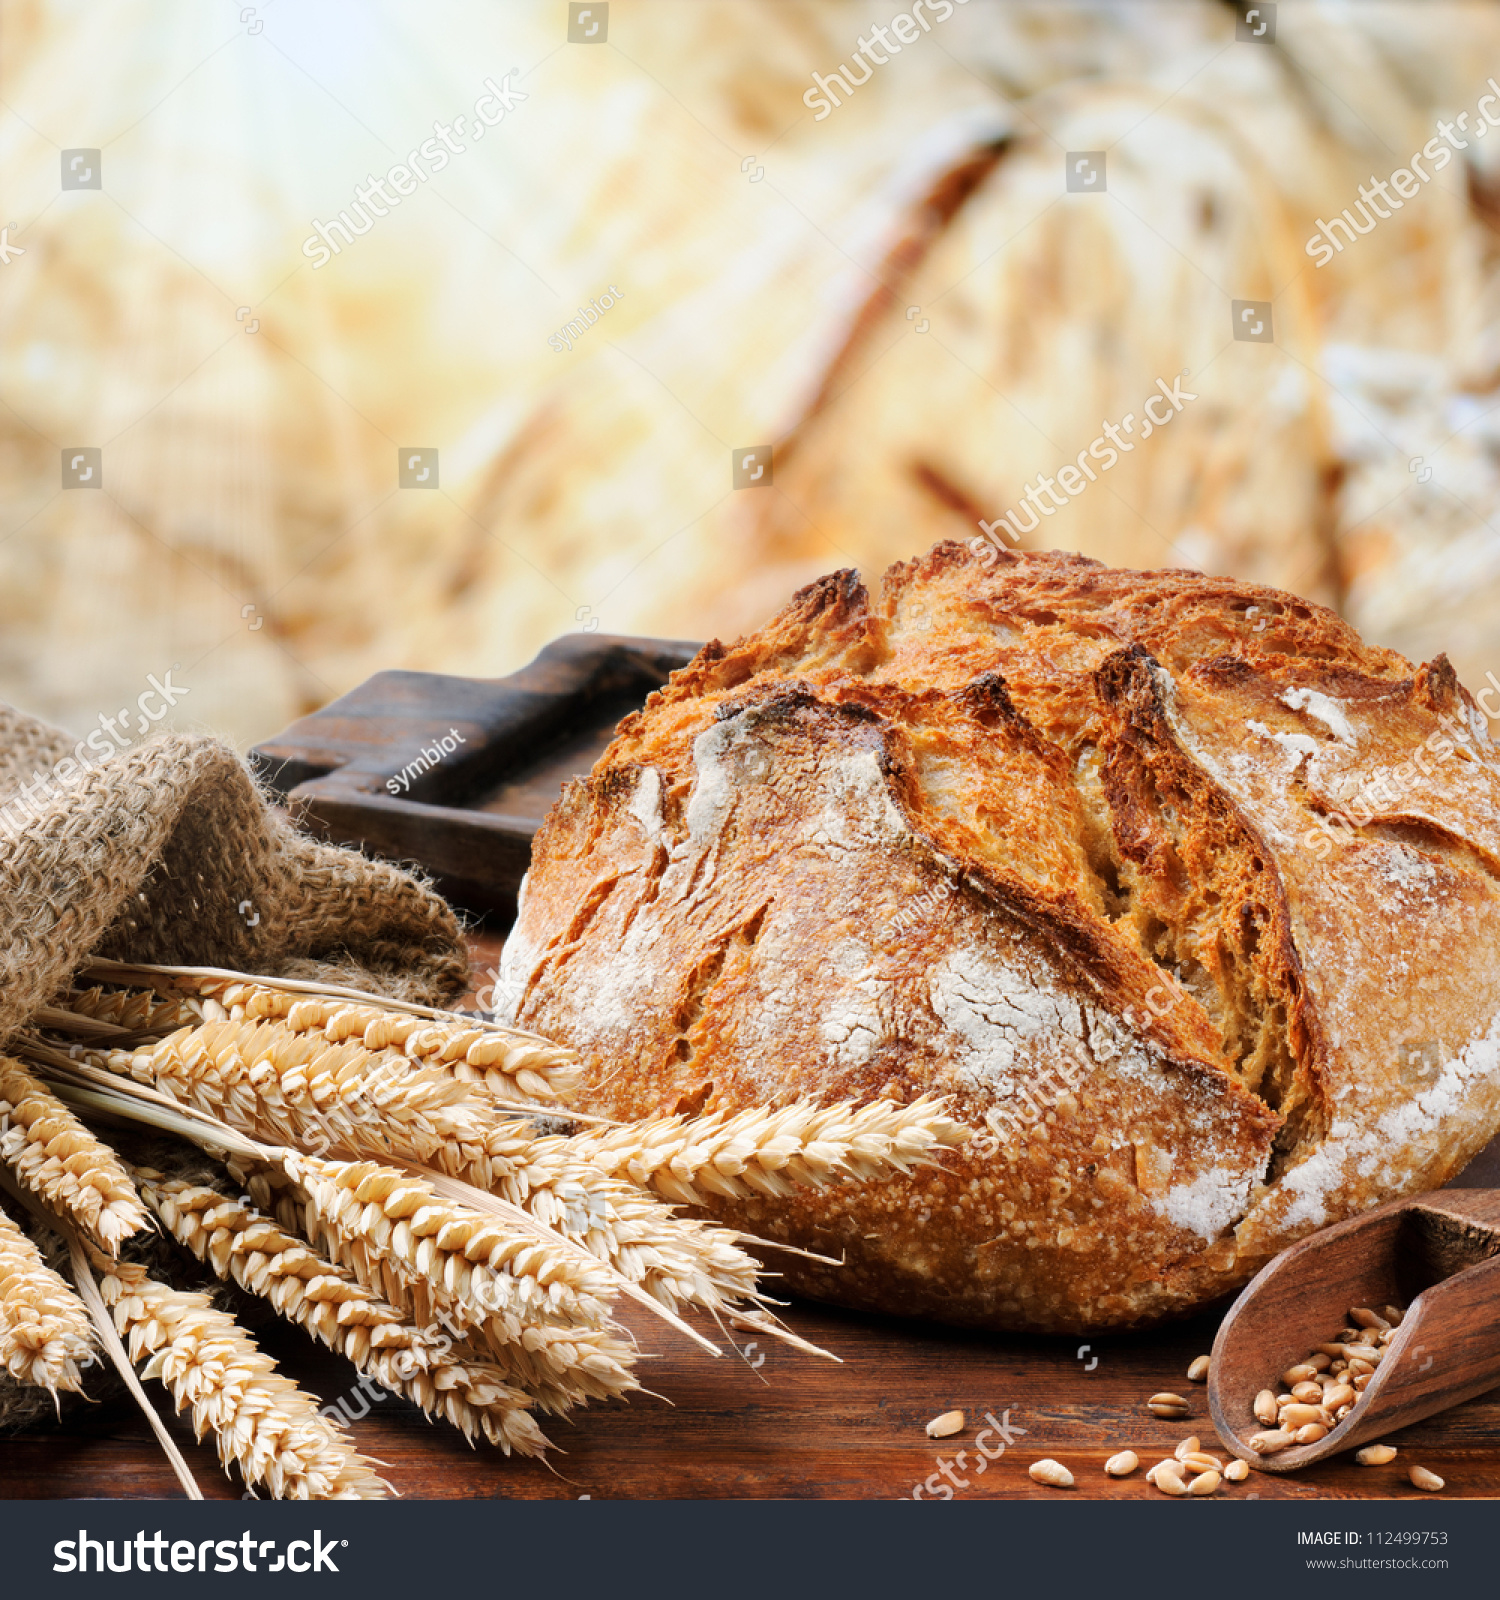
(1188, 900)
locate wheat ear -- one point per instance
(60, 1161)
(241, 1243)
(508, 1061)
(769, 1152)
(484, 1260)
(559, 1367)
(284, 1087)
(259, 1418)
(511, 1063)
(45, 1332)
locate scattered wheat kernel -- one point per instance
(1375, 1455)
(1311, 1432)
(1421, 1478)
(1122, 1465)
(1237, 1471)
(1168, 1481)
(1265, 1407)
(1189, 1446)
(1204, 1483)
(1198, 1370)
(1053, 1473)
(945, 1426)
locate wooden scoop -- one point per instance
(1437, 1254)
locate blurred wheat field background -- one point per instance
(900, 294)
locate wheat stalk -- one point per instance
(241, 1243)
(45, 1332)
(774, 1152)
(259, 1418)
(61, 1162)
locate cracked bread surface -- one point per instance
(1187, 898)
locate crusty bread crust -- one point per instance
(1063, 843)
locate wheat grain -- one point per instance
(773, 1152)
(45, 1332)
(241, 1243)
(60, 1161)
(259, 1418)
(135, 1010)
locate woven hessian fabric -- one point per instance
(169, 852)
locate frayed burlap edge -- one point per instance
(169, 852)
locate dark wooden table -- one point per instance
(782, 1424)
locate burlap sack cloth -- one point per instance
(169, 852)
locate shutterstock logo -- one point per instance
(1086, 171)
(417, 469)
(153, 1552)
(752, 467)
(376, 197)
(82, 467)
(588, 24)
(80, 169)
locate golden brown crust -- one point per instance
(1057, 841)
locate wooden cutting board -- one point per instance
(457, 773)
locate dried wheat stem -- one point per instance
(768, 1152)
(241, 1243)
(45, 1332)
(260, 1419)
(61, 1162)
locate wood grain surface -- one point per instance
(776, 1423)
